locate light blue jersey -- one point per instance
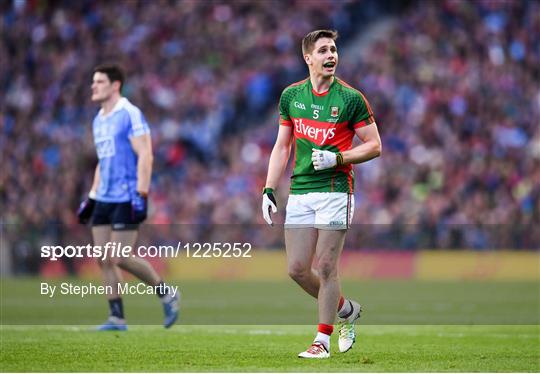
(117, 160)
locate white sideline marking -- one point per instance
(369, 330)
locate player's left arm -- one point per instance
(370, 148)
(142, 146)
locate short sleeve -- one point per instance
(137, 123)
(362, 113)
(284, 103)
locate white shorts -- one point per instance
(322, 210)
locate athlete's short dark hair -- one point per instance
(112, 71)
(310, 39)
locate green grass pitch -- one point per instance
(407, 326)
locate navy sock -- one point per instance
(161, 290)
(117, 308)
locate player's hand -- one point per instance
(268, 203)
(325, 159)
(85, 210)
(139, 207)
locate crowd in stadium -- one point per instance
(454, 87)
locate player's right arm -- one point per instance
(276, 166)
(282, 148)
(279, 156)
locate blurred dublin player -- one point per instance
(321, 115)
(117, 202)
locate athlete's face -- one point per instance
(323, 59)
(102, 87)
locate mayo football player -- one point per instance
(320, 116)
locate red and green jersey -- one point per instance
(322, 121)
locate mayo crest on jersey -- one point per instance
(322, 121)
(117, 159)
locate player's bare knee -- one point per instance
(327, 270)
(298, 271)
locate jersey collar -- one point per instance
(322, 93)
(120, 104)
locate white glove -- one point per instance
(323, 159)
(269, 202)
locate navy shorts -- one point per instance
(118, 215)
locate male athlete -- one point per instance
(117, 202)
(321, 114)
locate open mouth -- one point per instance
(329, 64)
